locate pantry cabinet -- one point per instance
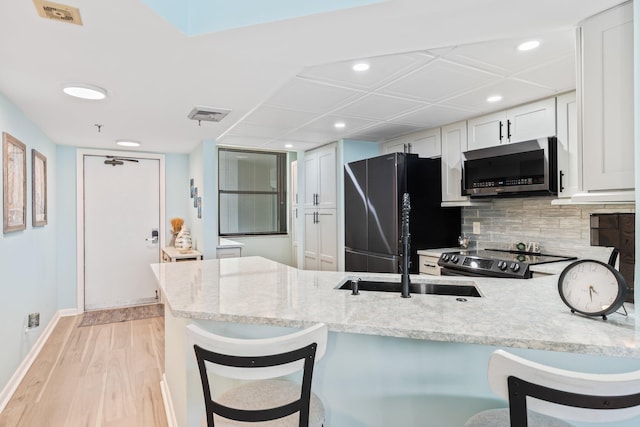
(607, 112)
(320, 240)
(320, 236)
(320, 177)
(522, 123)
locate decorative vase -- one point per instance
(183, 239)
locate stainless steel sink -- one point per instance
(416, 288)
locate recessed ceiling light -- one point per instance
(494, 98)
(361, 66)
(288, 145)
(339, 125)
(127, 143)
(528, 45)
(84, 91)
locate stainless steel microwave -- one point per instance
(519, 169)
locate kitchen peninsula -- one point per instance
(390, 361)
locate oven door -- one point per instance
(445, 271)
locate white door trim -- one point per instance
(80, 207)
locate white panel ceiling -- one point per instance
(407, 92)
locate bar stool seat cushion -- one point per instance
(268, 394)
(500, 418)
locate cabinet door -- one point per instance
(454, 142)
(310, 250)
(607, 103)
(327, 178)
(531, 121)
(327, 239)
(310, 179)
(486, 131)
(568, 159)
(398, 145)
(426, 143)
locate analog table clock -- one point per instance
(592, 288)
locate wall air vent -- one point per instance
(59, 12)
(208, 114)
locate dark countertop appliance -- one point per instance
(519, 169)
(373, 190)
(494, 263)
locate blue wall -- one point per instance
(203, 168)
(38, 266)
(28, 258)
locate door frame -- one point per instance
(81, 153)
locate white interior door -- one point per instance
(121, 210)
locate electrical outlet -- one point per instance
(476, 227)
(33, 320)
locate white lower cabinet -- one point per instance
(320, 240)
(429, 265)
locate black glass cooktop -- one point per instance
(530, 258)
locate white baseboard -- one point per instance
(18, 375)
(168, 403)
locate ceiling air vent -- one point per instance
(59, 12)
(208, 114)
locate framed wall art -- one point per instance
(14, 179)
(39, 190)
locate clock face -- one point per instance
(592, 287)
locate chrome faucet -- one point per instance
(406, 254)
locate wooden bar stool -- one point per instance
(542, 396)
(273, 402)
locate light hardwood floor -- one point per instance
(94, 376)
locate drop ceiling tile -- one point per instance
(384, 131)
(251, 130)
(434, 116)
(307, 136)
(437, 80)
(559, 76)
(242, 141)
(309, 96)
(502, 55)
(383, 68)
(378, 107)
(513, 93)
(326, 125)
(295, 145)
(279, 117)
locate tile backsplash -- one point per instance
(559, 229)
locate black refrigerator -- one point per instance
(373, 190)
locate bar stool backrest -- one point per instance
(568, 395)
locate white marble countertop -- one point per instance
(510, 313)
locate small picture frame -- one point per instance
(39, 188)
(195, 197)
(199, 207)
(14, 179)
(191, 188)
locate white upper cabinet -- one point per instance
(454, 142)
(568, 150)
(529, 121)
(607, 100)
(425, 144)
(320, 177)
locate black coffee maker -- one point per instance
(617, 230)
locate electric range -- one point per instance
(494, 263)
